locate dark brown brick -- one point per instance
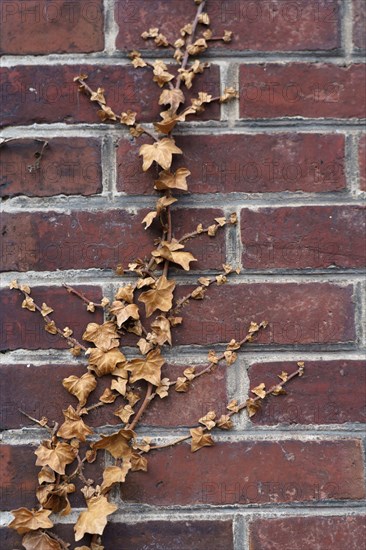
(263, 26)
(250, 472)
(67, 167)
(47, 94)
(329, 392)
(245, 163)
(308, 533)
(99, 239)
(298, 314)
(21, 328)
(304, 237)
(300, 89)
(359, 24)
(362, 162)
(41, 27)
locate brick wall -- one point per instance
(289, 158)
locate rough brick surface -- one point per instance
(308, 533)
(362, 162)
(98, 239)
(359, 23)
(246, 163)
(298, 89)
(67, 167)
(251, 472)
(21, 328)
(46, 94)
(329, 392)
(41, 27)
(304, 237)
(298, 314)
(282, 26)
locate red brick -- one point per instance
(362, 162)
(21, 328)
(301, 89)
(263, 26)
(99, 239)
(304, 237)
(68, 166)
(46, 380)
(47, 94)
(174, 535)
(329, 392)
(42, 27)
(298, 314)
(359, 24)
(308, 533)
(250, 472)
(259, 163)
(18, 477)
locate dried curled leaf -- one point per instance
(208, 420)
(172, 252)
(200, 439)
(56, 456)
(104, 336)
(125, 293)
(123, 312)
(114, 474)
(103, 363)
(163, 388)
(28, 303)
(252, 407)
(172, 97)
(73, 426)
(161, 332)
(147, 368)
(260, 391)
(94, 519)
(39, 540)
(30, 520)
(80, 387)
(161, 152)
(167, 180)
(117, 443)
(225, 422)
(160, 297)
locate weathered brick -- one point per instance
(259, 163)
(304, 237)
(329, 392)
(21, 328)
(251, 472)
(298, 314)
(308, 533)
(359, 24)
(18, 477)
(260, 25)
(362, 162)
(300, 89)
(68, 166)
(47, 94)
(99, 239)
(41, 27)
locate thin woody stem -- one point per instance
(80, 295)
(189, 42)
(142, 409)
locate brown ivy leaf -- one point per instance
(190, 373)
(163, 388)
(161, 74)
(137, 131)
(161, 40)
(25, 288)
(167, 180)
(278, 390)
(132, 397)
(252, 406)
(114, 474)
(207, 34)
(30, 520)
(212, 357)
(283, 376)
(106, 113)
(128, 118)
(200, 439)
(46, 475)
(221, 279)
(55, 497)
(182, 384)
(80, 387)
(227, 36)
(123, 312)
(147, 368)
(149, 218)
(172, 252)
(230, 357)
(104, 336)
(187, 29)
(117, 443)
(98, 96)
(160, 297)
(233, 345)
(39, 540)
(94, 519)
(67, 332)
(260, 391)
(161, 331)
(163, 202)
(205, 281)
(73, 426)
(51, 327)
(144, 346)
(204, 19)
(119, 385)
(225, 422)
(212, 230)
(13, 284)
(208, 420)
(103, 363)
(198, 293)
(56, 456)
(172, 97)
(233, 219)
(124, 413)
(108, 396)
(229, 93)
(233, 406)
(28, 303)
(148, 281)
(161, 151)
(138, 463)
(46, 310)
(125, 293)
(151, 33)
(198, 47)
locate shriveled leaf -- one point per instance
(80, 387)
(108, 396)
(28, 303)
(163, 388)
(103, 363)
(252, 407)
(172, 97)
(160, 297)
(38, 540)
(104, 336)
(208, 420)
(94, 519)
(161, 331)
(147, 368)
(73, 426)
(114, 474)
(56, 456)
(225, 422)
(138, 463)
(123, 312)
(178, 180)
(30, 520)
(119, 385)
(182, 384)
(161, 74)
(125, 293)
(200, 439)
(124, 413)
(173, 252)
(161, 151)
(149, 218)
(117, 443)
(128, 118)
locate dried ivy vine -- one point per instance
(66, 451)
